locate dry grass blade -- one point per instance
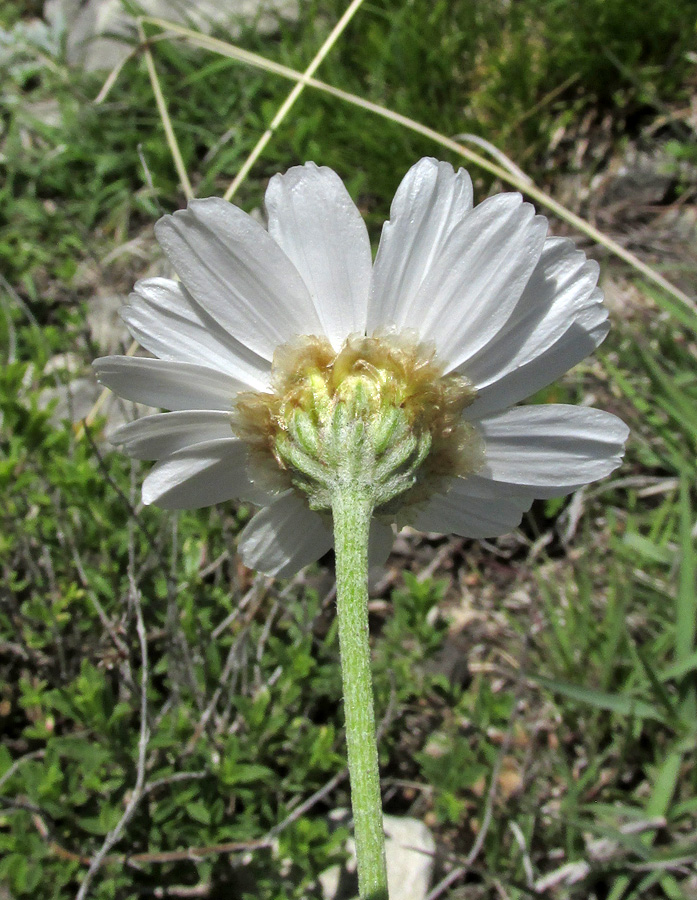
(253, 59)
(497, 154)
(139, 787)
(287, 105)
(164, 115)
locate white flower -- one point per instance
(506, 307)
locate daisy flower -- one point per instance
(274, 339)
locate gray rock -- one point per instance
(641, 178)
(76, 392)
(99, 32)
(409, 849)
(47, 112)
(107, 329)
(74, 398)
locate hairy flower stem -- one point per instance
(352, 511)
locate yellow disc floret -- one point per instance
(379, 414)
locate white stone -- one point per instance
(409, 849)
(100, 32)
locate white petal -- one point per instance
(165, 319)
(284, 537)
(170, 385)
(557, 322)
(314, 220)
(478, 487)
(431, 200)
(552, 449)
(578, 341)
(238, 274)
(207, 473)
(379, 543)
(477, 277)
(154, 437)
(474, 507)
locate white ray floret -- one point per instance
(506, 309)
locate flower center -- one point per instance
(378, 416)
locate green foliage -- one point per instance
(582, 699)
(411, 636)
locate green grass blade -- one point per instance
(680, 669)
(686, 610)
(617, 703)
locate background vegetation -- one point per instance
(537, 694)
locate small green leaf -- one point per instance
(198, 811)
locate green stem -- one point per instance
(352, 513)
